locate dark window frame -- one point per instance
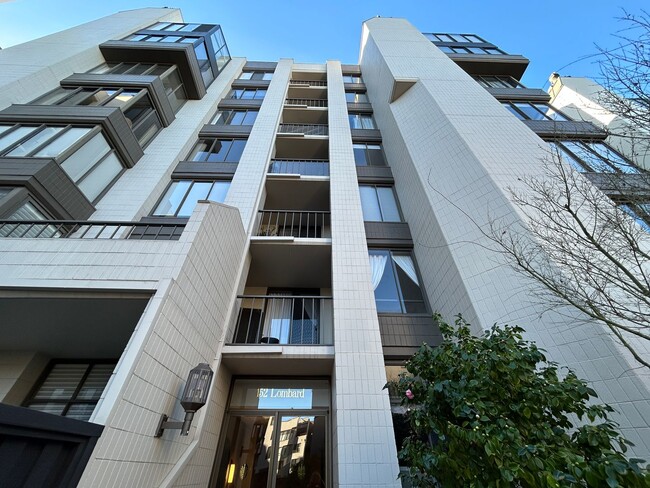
(231, 115)
(367, 153)
(381, 209)
(398, 285)
(238, 93)
(585, 164)
(30, 399)
(521, 115)
(192, 181)
(212, 143)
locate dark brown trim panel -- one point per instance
(210, 130)
(561, 129)
(388, 234)
(375, 174)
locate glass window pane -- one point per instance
(81, 411)
(221, 118)
(247, 94)
(172, 199)
(200, 151)
(389, 210)
(4, 128)
(61, 382)
(612, 157)
(267, 76)
(52, 408)
(250, 117)
(198, 192)
(237, 118)
(236, 150)
(259, 94)
(376, 155)
(100, 177)
(408, 282)
(85, 157)
(513, 111)
(370, 204)
(34, 141)
(123, 98)
(360, 154)
(170, 39)
(219, 191)
(53, 97)
(95, 382)
(386, 293)
(355, 123)
(246, 75)
(530, 111)
(15, 135)
(367, 122)
(158, 26)
(27, 211)
(219, 151)
(63, 142)
(591, 160)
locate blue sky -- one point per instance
(553, 35)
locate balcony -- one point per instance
(52, 229)
(275, 319)
(308, 83)
(306, 167)
(298, 224)
(303, 129)
(306, 102)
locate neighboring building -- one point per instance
(585, 99)
(292, 225)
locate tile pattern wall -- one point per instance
(455, 152)
(365, 452)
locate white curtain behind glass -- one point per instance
(278, 317)
(406, 264)
(377, 266)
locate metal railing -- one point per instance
(284, 319)
(291, 223)
(310, 102)
(307, 167)
(306, 129)
(41, 229)
(308, 82)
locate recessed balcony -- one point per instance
(284, 319)
(296, 224)
(303, 167)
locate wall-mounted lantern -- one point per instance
(195, 395)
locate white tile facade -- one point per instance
(365, 453)
(455, 151)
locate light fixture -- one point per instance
(195, 395)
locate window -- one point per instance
(83, 153)
(352, 79)
(356, 97)
(169, 26)
(395, 281)
(182, 195)
(247, 94)
(235, 117)
(361, 121)
(366, 154)
(174, 88)
(135, 104)
(379, 204)
(534, 111)
(218, 150)
(256, 75)
(204, 63)
(639, 211)
(593, 157)
(71, 389)
(131, 69)
(498, 82)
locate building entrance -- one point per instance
(276, 436)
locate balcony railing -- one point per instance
(290, 223)
(307, 167)
(308, 82)
(309, 102)
(41, 229)
(279, 319)
(306, 129)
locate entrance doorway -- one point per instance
(268, 444)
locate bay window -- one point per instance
(182, 195)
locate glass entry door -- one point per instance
(286, 450)
(276, 435)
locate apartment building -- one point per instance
(290, 228)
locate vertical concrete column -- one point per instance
(364, 439)
(247, 185)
